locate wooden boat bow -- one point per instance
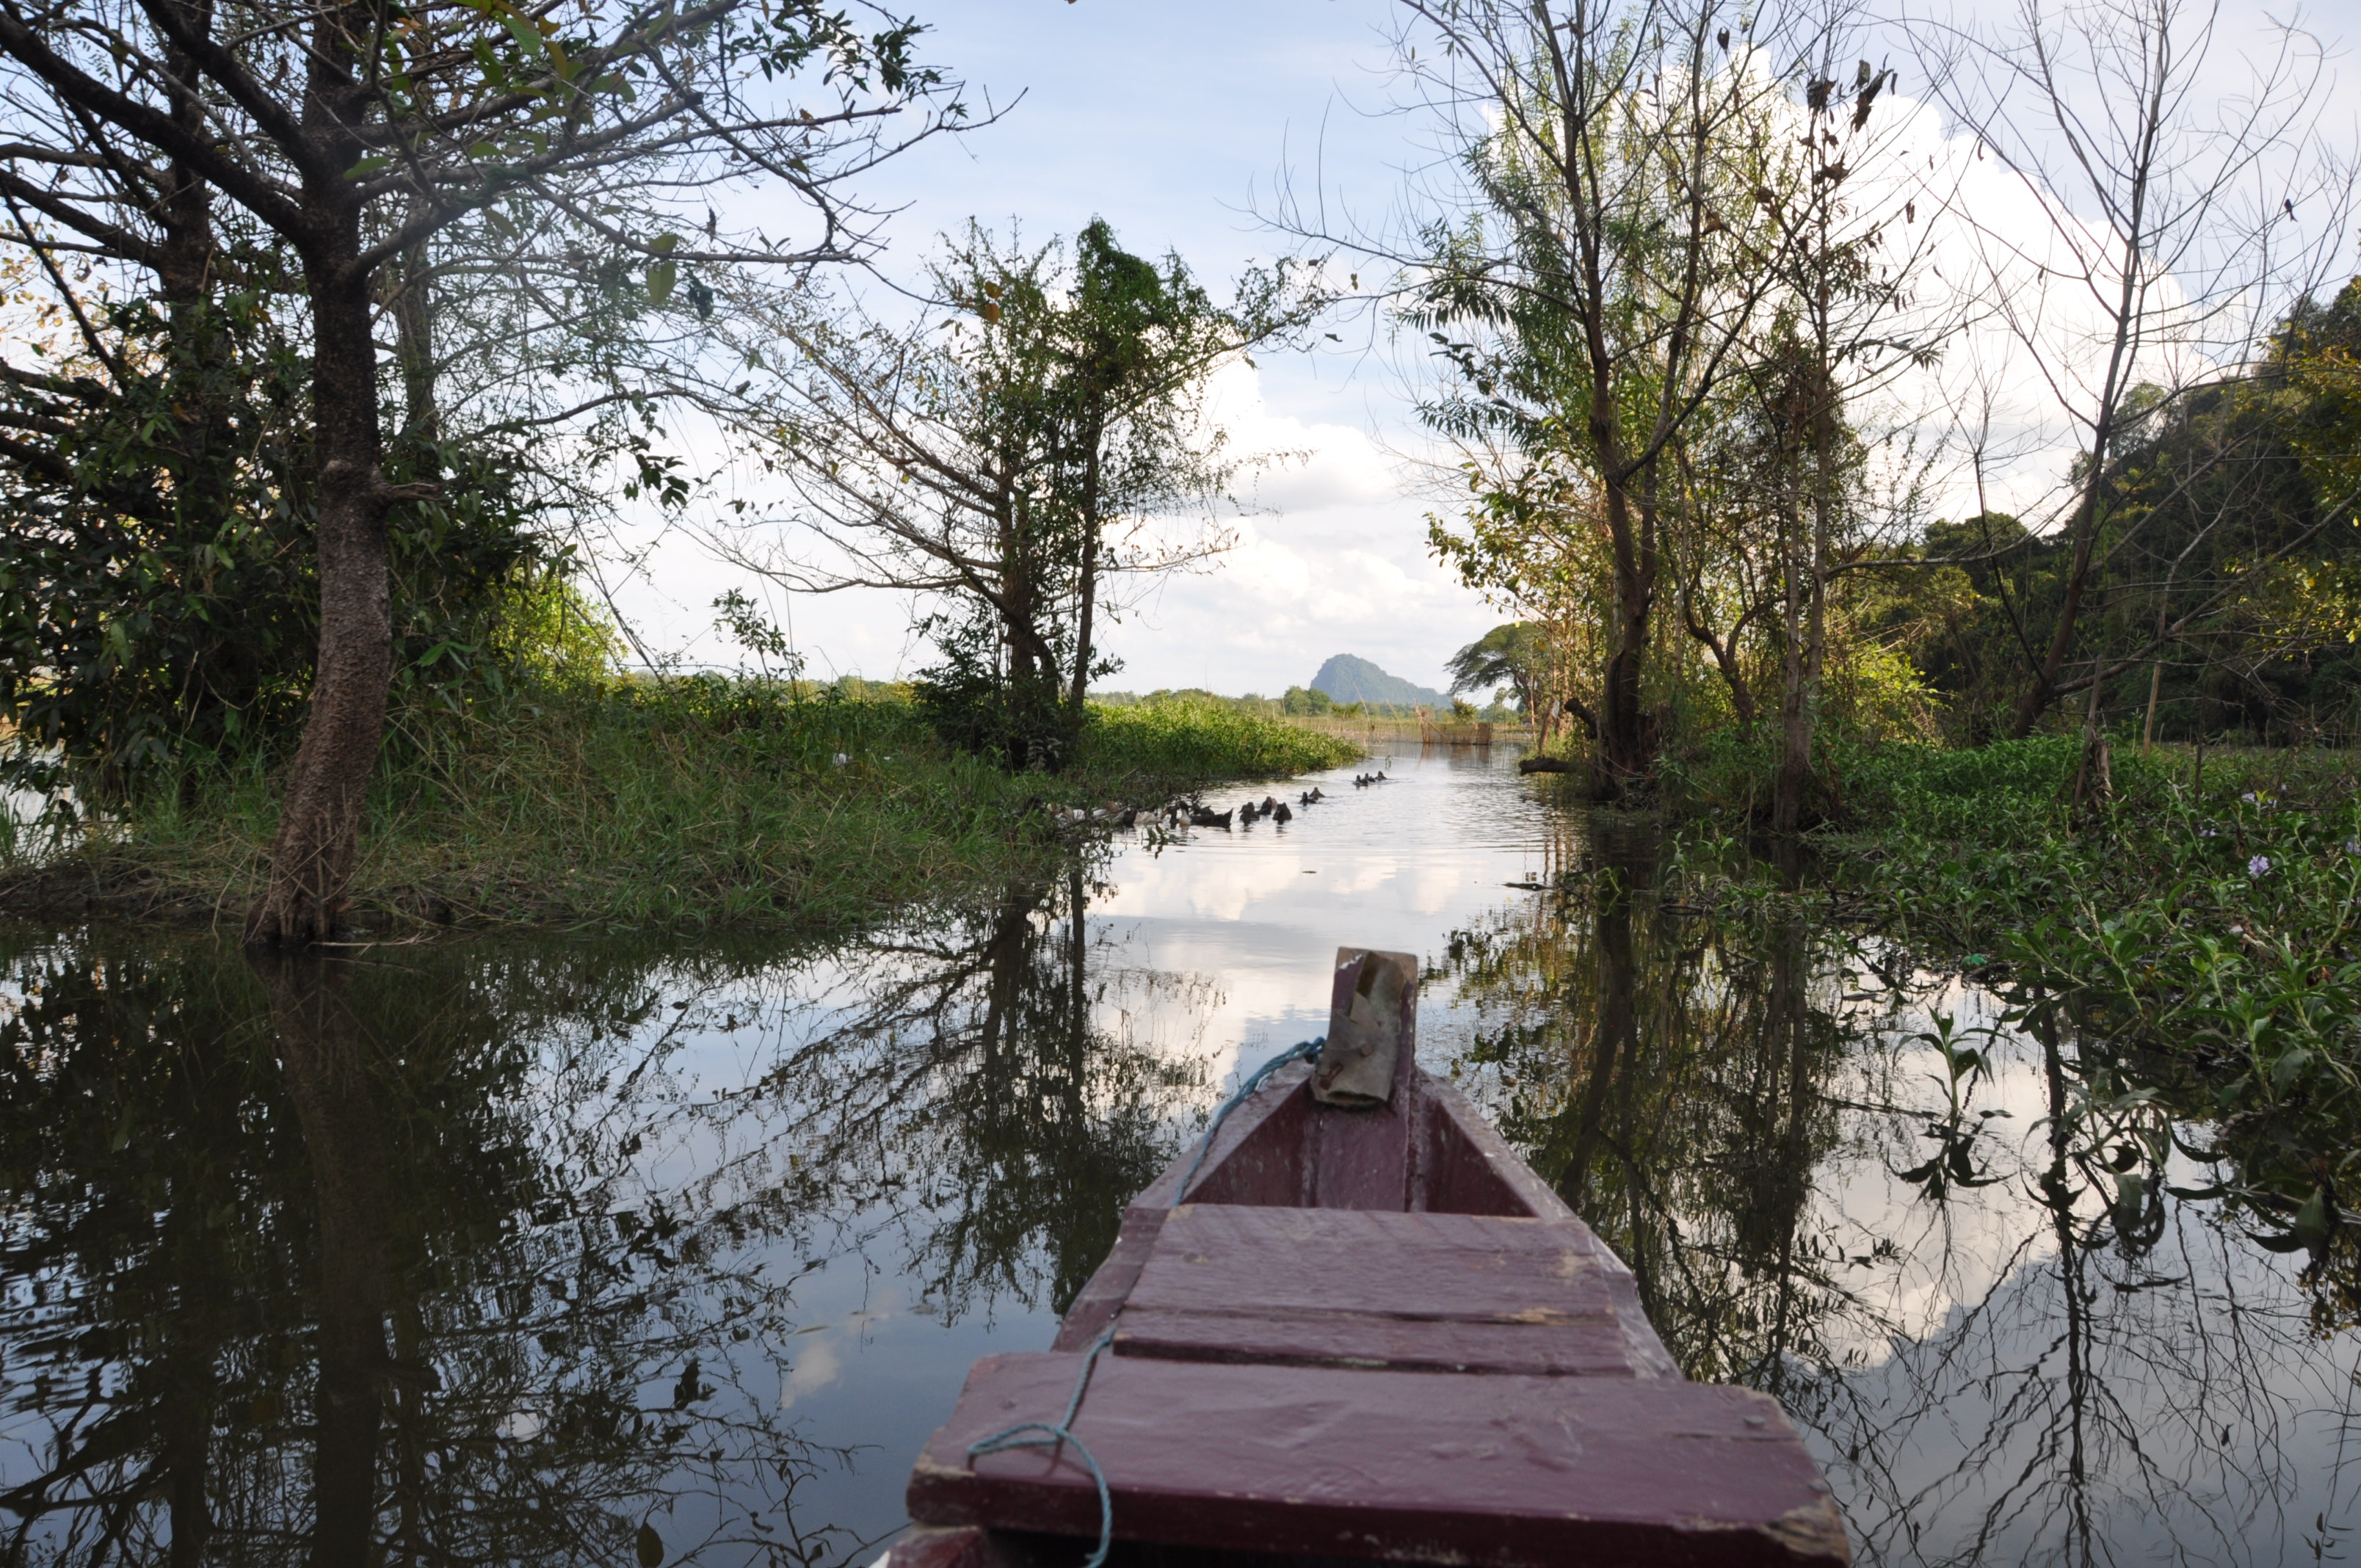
(1368, 1332)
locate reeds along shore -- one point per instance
(687, 802)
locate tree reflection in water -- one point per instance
(1952, 1253)
(487, 1251)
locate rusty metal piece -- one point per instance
(1373, 1008)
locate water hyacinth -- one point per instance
(2258, 866)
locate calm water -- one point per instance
(500, 1251)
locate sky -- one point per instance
(1184, 127)
(1175, 124)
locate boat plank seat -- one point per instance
(1500, 1471)
(1438, 1292)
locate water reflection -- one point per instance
(496, 1253)
(515, 1250)
(1926, 1229)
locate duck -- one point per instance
(1280, 813)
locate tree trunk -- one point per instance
(413, 326)
(1795, 774)
(1807, 617)
(319, 820)
(1087, 592)
(2044, 687)
(1626, 748)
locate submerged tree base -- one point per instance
(679, 803)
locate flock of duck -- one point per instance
(1189, 812)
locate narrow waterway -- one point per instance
(571, 1250)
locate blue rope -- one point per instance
(1296, 1052)
(1051, 1434)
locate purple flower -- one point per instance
(2258, 865)
(2353, 846)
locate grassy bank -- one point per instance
(685, 802)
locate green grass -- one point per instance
(1170, 739)
(686, 801)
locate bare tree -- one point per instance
(353, 133)
(2169, 241)
(1589, 277)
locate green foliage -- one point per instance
(159, 594)
(2194, 944)
(1515, 655)
(1306, 701)
(1201, 740)
(995, 462)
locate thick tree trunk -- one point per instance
(319, 818)
(1626, 739)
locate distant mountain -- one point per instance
(1346, 678)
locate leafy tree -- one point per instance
(1515, 656)
(1006, 458)
(1605, 271)
(157, 596)
(350, 135)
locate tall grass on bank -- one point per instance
(1171, 739)
(690, 801)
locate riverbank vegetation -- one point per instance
(680, 802)
(2186, 940)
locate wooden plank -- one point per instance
(1457, 1292)
(1465, 1167)
(1216, 1257)
(1109, 1285)
(926, 1546)
(1496, 1472)
(1569, 1345)
(1257, 1155)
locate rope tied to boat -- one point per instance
(1050, 1434)
(1300, 1052)
(1059, 1432)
